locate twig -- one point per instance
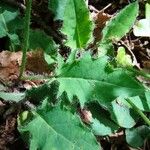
(99, 11)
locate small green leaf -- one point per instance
(121, 23)
(15, 97)
(55, 128)
(135, 137)
(123, 59)
(77, 24)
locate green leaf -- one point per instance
(58, 8)
(77, 24)
(54, 128)
(135, 137)
(121, 23)
(122, 114)
(93, 80)
(102, 124)
(15, 97)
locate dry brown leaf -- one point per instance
(9, 65)
(11, 61)
(36, 62)
(100, 20)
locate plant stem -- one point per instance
(26, 36)
(139, 112)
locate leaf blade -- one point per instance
(59, 129)
(78, 79)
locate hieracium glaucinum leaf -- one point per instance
(55, 128)
(99, 83)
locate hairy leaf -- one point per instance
(93, 80)
(121, 23)
(54, 128)
(77, 24)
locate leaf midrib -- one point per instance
(77, 30)
(78, 78)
